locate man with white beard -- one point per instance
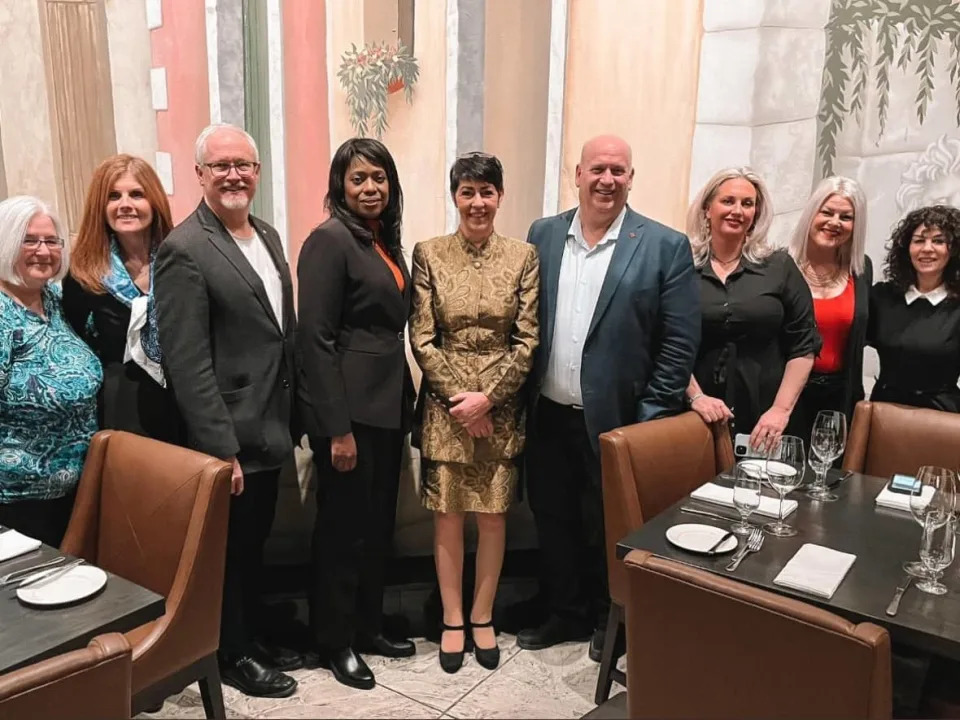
(226, 324)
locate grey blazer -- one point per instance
(643, 338)
(229, 363)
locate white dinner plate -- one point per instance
(76, 584)
(698, 538)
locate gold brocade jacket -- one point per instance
(473, 327)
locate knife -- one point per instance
(895, 603)
(48, 576)
(715, 516)
(719, 542)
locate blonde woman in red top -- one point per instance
(828, 245)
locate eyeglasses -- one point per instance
(243, 168)
(33, 242)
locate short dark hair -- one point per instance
(478, 167)
(899, 269)
(376, 153)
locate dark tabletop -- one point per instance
(30, 634)
(881, 539)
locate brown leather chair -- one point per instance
(648, 467)
(706, 646)
(156, 515)
(885, 439)
(88, 684)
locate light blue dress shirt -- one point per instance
(582, 272)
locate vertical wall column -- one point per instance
(761, 66)
(3, 174)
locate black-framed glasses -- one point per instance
(244, 168)
(51, 242)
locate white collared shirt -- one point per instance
(582, 272)
(934, 297)
(255, 250)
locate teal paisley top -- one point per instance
(49, 380)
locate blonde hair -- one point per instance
(851, 253)
(756, 248)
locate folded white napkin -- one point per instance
(815, 569)
(13, 544)
(720, 495)
(901, 501)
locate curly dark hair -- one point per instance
(376, 153)
(899, 269)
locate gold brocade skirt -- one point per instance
(483, 487)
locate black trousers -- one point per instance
(564, 485)
(44, 520)
(251, 517)
(353, 534)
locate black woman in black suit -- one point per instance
(356, 395)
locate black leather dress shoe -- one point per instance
(596, 646)
(276, 657)
(382, 645)
(553, 632)
(349, 668)
(251, 677)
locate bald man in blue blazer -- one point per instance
(620, 328)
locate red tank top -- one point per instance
(834, 318)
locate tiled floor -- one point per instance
(554, 683)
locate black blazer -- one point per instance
(853, 358)
(229, 362)
(643, 338)
(350, 349)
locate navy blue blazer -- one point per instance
(643, 339)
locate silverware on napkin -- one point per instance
(753, 544)
(18, 575)
(894, 605)
(48, 576)
(704, 513)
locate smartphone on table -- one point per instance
(903, 484)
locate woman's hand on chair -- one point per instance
(711, 409)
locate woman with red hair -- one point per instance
(108, 295)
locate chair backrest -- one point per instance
(157, 515)
(648, 467)
(885, 439)
(93, 683)
(701, 645)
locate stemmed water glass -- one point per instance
(784, 468)
(746, 494)
(932, 499)
(827, 441)
(937, 550)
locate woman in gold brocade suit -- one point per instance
(473, 330)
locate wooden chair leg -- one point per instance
(608, 660)
(210, 690)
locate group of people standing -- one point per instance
(528, 351)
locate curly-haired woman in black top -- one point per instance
(915, 314)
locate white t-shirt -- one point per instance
(255, 250)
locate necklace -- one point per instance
(822, 280)
(735, 258)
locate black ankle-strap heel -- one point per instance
(487, 657)
(452, 661)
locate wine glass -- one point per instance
(746, 494)
(937, 550)
(784, 468)
(934, 494)
(827, 442)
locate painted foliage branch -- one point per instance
(914, 27)
(368, 75)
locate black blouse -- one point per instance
(756, 322)
(129, 398)
(919, 349)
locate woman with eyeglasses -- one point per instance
(49, 378)
(357, 396)
(759, 334)
(473, 330)
(108, 295)
(915, 313)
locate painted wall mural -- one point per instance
(795, 88)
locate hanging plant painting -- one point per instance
(369, 75)
(901, 31)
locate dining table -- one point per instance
(29, 634)
(882, 539)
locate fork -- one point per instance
(753, 544)
(12, 577)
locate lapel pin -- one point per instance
(633, 234)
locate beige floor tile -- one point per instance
(421, 678)
(558, 683)
(187, 705)
(326, 702)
